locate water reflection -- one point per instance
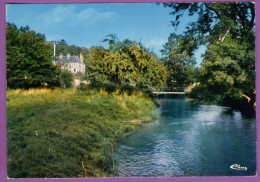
(190, 140)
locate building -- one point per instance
(74, 64)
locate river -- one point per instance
(190, 140)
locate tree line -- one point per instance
(30, 56)
(63, 48)
(226, 75)
(29, 61)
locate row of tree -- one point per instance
(29, 62)
(63, 48)
(227, 74)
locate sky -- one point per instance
(86, 25)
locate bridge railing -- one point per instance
(173, 89)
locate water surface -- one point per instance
(190, 140)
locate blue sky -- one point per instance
(87, 25)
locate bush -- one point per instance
(201, 95)
(127, 88)
(66, 78)
(80, 76)
(110, 87)
(95, 85)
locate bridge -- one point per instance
(171, 91)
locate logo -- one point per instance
(238, 167)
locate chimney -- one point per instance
(54, 51)
(68, 55)
(81, 57)
(61, 56)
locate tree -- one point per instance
(28, 59)
(63, 48)
(113, 42)
(228, 31)
(229, 73)
(179, 60)
(216, 20)
(64, 76)
(125, 62)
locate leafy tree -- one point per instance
(94, 65)
(112, 41)
(179, 60)
(125, 62)
(65, 78)
(229, 72)
(28, 59)
(216, 20)
(228, 31)
(63, 48)
(148, 70)
(63, 42)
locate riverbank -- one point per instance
(65, 133)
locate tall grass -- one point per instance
(69, 133)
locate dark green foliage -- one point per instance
(179, 60)
(128, 88)
(66, 78)
(81, 76)
(229, 71)
(28, 59)
(108, 86)
(216, 18)
(113, 88)
(227, 75)
(63, 48)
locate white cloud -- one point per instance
(86, 14)
(69, 14)
(95, 15)
(60, 13)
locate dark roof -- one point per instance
(72, 59)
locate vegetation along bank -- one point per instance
(70, 133)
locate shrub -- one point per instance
(110, 87)
(127, 88)
(66, 78)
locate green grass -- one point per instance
(69, 133)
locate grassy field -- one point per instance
(70, 133)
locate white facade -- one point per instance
(76, 67)
(74, 64)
